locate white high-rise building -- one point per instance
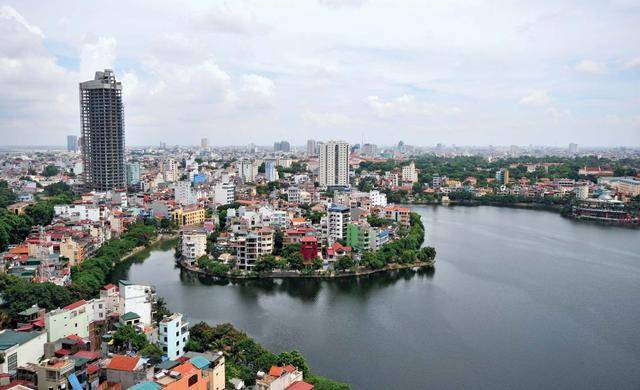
(136, 298)
(171, 170)
(312, 147)
(377, 198)
(225, 193)
(573, 148)
(333, 167)
(409, 173)
(173, 334)
(183, 193)
(270, 170)
(247, 169)
(194, 244)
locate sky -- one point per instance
(238, 72)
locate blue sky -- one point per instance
(455, 72)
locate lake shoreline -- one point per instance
(298, 275)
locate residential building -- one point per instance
(102, 124)
(293, 194)
(73, 319)
(133, 173)
(128, 371)
(333, 170)
(397, 214)
(189, 215)
(19, 348)
(377, 198)
(360, 236)
(309, 248)
(573, 148)
(170, 171)
(270, 170)
(338, 218)
(212, 366)
(312, 147)
(183, 193)
(278, 378)
(173, 335)
(502, 176)
(282, 146)
(248, 170)
(136, 298)
(194, 244)
(255, 244)
(72, 143)
(409, 173)
(110, 295)
(53, 373)
(225, 193)
(582, 191)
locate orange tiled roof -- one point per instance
(123, 363)
(276, 371)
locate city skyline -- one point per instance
(543, 73)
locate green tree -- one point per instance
(153, 353)
(160, 310)
(127, 337)
(295, 260)
(50, 170)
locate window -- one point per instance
(12, 361)
(193, 379)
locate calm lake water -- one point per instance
(519, 299)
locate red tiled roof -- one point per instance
(123, 363)
(301, 385)
(289, 368)
(91, 355)
(276, 371)
(108, 286)
(75, 305)
(91, 368)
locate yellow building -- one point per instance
(188, 216)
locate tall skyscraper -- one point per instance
(282, 146)
(133, 173)
(102, 122)
(270, 170)
(573, 148)
(334, 164)
(204, 143)
(72, 143)
(312, 147)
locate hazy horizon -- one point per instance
(464, 73)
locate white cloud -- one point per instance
(407, 105)
(591, 67)
(229, 20)
(97, 55)
(258, 85)
(8, 13)
(536, 98)
(328, 119)
(634, 63)
(342, 3)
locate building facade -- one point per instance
(102, 124)
(333, 170)
(173, 335)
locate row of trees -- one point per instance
(244, 356)
(93, 273)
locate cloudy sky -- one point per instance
(454, 72)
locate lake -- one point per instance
(518, 299)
